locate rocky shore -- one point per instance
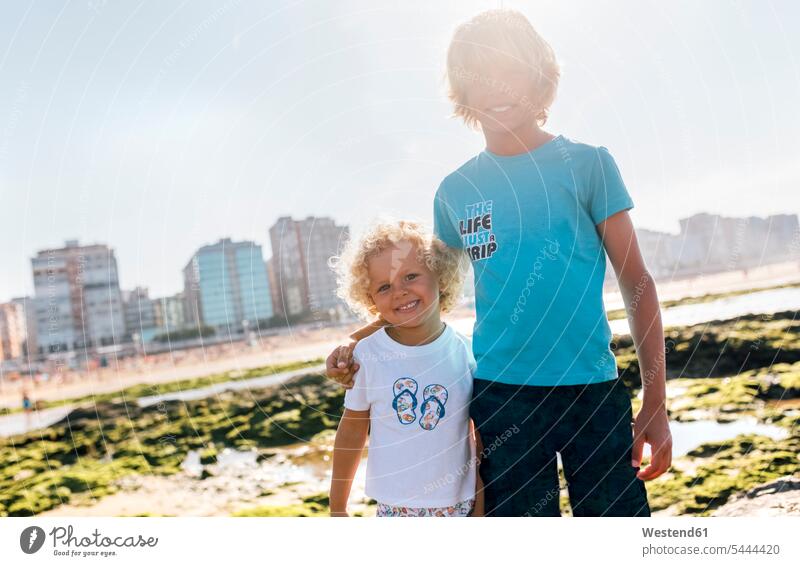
(112, 456)
(777, 498)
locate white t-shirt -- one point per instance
(420, 453)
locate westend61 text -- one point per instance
(678, 533)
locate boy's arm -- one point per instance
(651, 424)
(339, 366)
(369, 329)
(347, 448)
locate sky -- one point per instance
(159, 127)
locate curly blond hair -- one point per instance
(448, 264)
(477, 44)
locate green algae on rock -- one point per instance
(710, 474)
(719, 348)
(95, 445)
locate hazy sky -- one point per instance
(157, 127)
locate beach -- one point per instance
(182, 364)
(220, 440)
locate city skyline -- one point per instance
(648, 240)
(229, 288)
(228, 116)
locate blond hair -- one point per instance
(479, 42)
(351, 267)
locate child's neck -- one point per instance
(417, 335)
(522, 140)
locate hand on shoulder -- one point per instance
(341, 367)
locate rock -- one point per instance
(777, 498)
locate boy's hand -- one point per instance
(340, 366)
(651, 426)
(339, 514)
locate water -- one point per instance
(769, 301)
(300, 464)
(191, 464)
(761, 302)
(18, 423)
(227, 460)
(688, 436)
(203, 392)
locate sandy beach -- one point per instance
(724, 282)
(182, 364)
(292, 474)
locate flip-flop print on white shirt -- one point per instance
(435, 396)
(405, 399)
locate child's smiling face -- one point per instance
(405, 292)
(501, 97)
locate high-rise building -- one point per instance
(140, 314)
(78, 302)
(226, 284)
(712, 242)
(26, 306)
(659, 250)
(300, 253)
(274, 287)
(709, 243)
(288, 268)
(12, 330)
(170, 313)
(146, 317)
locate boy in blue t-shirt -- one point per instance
(536, 215)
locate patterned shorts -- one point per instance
(460, 509)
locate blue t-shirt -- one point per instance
(528, 224)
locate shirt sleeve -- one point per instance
(443, 223)
(607, 192)
(355, 399)
(473, 365)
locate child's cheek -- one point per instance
(475, 99)
(427, 290)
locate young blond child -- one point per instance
(537, 214)
(414, 383)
